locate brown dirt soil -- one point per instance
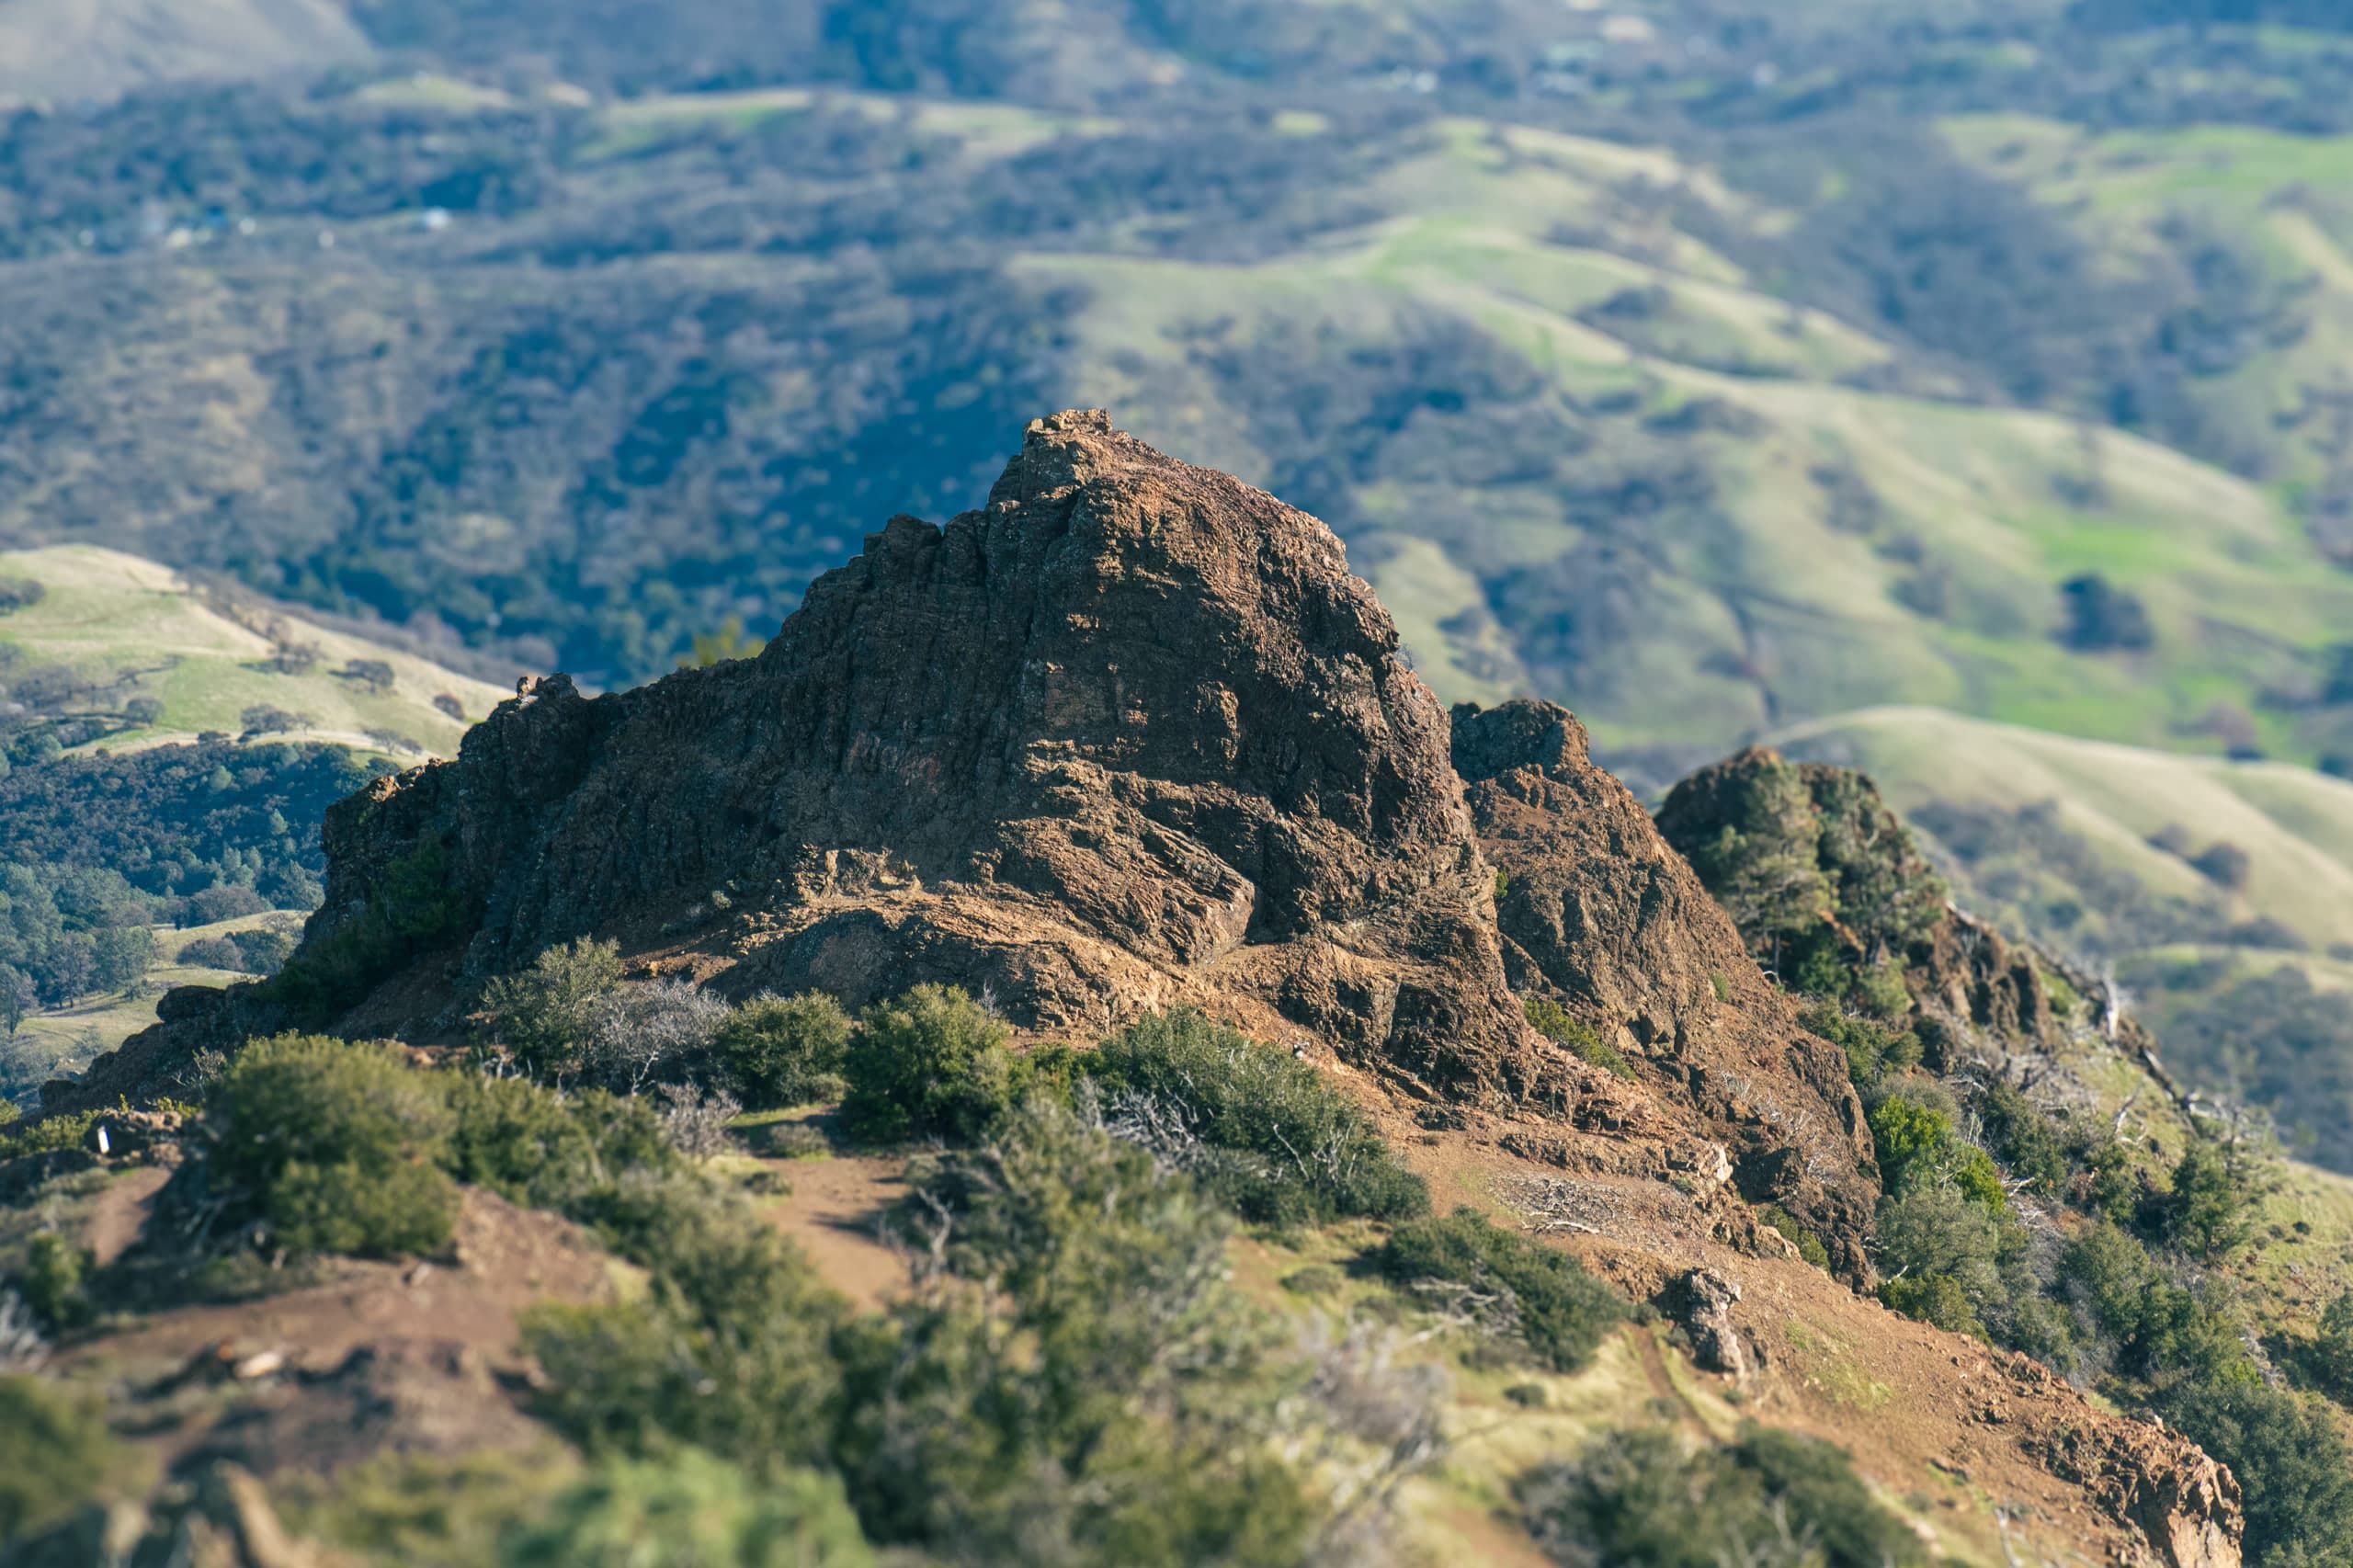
(416, 1357)
(119, 1213)
(832, 1211)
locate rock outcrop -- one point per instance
(1597, 912)
(1129, 736)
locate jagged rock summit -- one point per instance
(1130, 735)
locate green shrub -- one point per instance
(1295, 1149)
(47, 1136)
(786, 1051)
(407, 1510)
(544, 1014)
(1809, 1245)
(1918, 1146)
(544, 1150)
(932, 1063)
(1097, 1386)
(2294, 1473)
(56, 1273)
(2020, 1136)
(689, 1510)
(1574, 1035)
(2210, 1209)
(56, 1455)
(2328, 1361)
(339, 1146)
(2160, 1332)
(1873, 1052)
(729, 1351)
(1880, 989)
(1767, 1500)
(1540, 1296)
(1937, 1298)
(1062, 1216)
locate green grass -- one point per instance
(106, 612)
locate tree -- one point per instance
(122, 955)
(376, 675)
(17, 999)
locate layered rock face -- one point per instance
(1130, 735)
(1598, 913)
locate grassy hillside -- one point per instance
(130, 628)
(62, 51)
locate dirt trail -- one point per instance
(118, 1216)
(835, 1210)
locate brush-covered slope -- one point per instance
(2216, 891)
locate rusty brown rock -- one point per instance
(1600, 913)
(1132, 734)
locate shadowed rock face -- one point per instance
(1132, 734)
(1599, 913)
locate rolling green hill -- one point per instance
(111, 630)
(1707, 431)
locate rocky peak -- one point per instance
(1132, 734)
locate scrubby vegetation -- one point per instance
(1534, 1296)
(338, 1147)
(1766, 1499)
(1575, 1036)
(55, 1455)
(1279, 1142)
(1999, 1219)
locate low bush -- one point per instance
(544, 1150)
(932, 1063)
(1918, 1146)
(2327, 1362)
(54, 1282)
(1873, 1051)
(212, 952)
(264, 951)
(339, 1147)
(2021, 1137)
(1537, 1295)
(1574, 1035)
(1809, 1245)
(785, 1050)
(1287, 1145)
(2160, 1332)
(1765, 1500)
(2208, 1209)
(730, 1350)
(2290, 1457)
(543, 1014)
(56, 1455)
(689, 1510)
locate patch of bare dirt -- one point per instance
(834, 1211)
(390, 1356)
